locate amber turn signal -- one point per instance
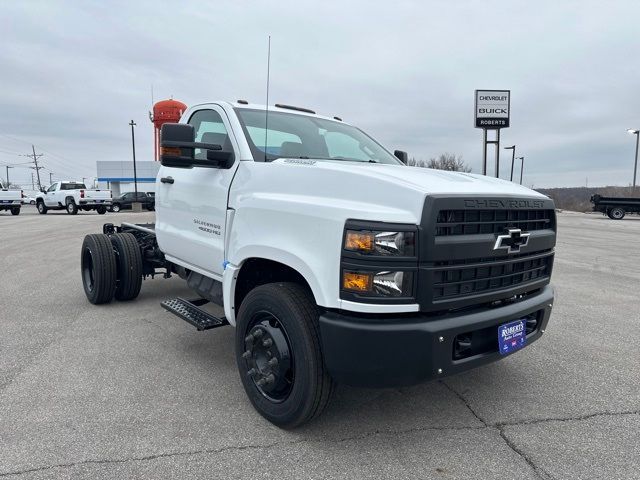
(170, 151)
(359, 241)
(357, 282)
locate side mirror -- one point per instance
(402, 156)
(177, 148)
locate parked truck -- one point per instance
(333, 260)
(615, 207)
(72, 197)
(10, 200)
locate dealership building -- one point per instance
(119, 178)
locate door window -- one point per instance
(52, 188)
(209, 128)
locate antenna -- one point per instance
(266, 114)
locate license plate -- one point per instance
(99, 201)
(512, 336)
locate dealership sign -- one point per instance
(492, 109)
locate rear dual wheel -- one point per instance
(278, 354)
(111, 266)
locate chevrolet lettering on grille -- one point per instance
(512, 241)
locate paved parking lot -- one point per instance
(127, 390)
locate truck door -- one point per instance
(50, 196)
(191, 212)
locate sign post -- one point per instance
(492, 112)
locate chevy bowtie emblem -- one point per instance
(512, 240)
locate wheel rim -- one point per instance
(268, 357)
(616, 213)
(116, 208)
(40, 207)
(69, 207)
(87, 269)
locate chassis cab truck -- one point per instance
(332, 259)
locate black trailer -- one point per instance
(615, 207)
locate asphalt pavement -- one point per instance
(127, 390)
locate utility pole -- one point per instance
(33, 187)
(513, 157)
(50, 178)
(521, 167)
(35, 158)
(8, 167)
(135, 174)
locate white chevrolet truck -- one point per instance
(333, 260)
(73, 196)
(10, 200)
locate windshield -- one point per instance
(290, 135)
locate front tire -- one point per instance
(32, 202)
(616, 213)
(115, 207)
(42, 208)
(98, 268)
(15, 211)
(129, 266)
(72, 208)
(278, 354)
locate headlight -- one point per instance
(386, 283)
(380, 243)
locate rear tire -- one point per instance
(616, 213)
(72, 208)
(129, 266)
(42, 208)
(98, 268)
(15, 211)
(299, 387)
(101, 210)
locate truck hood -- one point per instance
(424, 180)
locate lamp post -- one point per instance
(635, 165)
(8, 167)
(133, 146)
(513, 157)
(521, 167)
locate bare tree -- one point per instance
(449, 161)
(445, 161)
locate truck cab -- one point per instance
(333, 260)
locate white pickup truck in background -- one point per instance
(10, 200)
(73, 196)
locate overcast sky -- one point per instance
(73, 74)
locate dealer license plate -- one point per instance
(512, 336)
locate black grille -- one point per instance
(453, 280)
(471, 222)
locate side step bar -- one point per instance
(189, 312)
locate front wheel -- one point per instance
(115, 207)
(278, 354)
(15, 211)
(32, 202)
(42, 208)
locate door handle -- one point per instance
(167, 180)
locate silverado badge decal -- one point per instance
(512, 240)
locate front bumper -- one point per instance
(405, 350)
